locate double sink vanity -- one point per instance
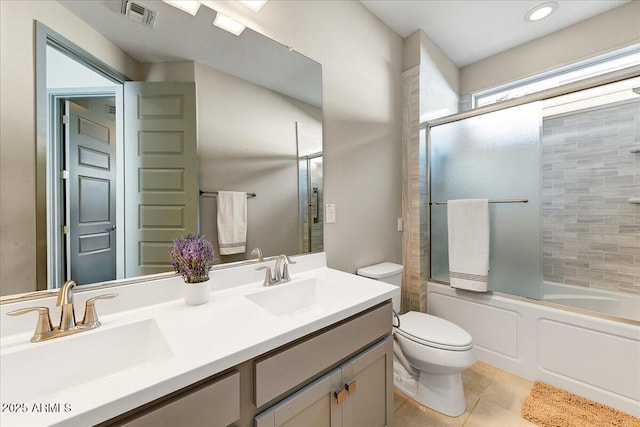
(317, 348)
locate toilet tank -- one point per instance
(387, 272)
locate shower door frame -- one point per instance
(590, 83)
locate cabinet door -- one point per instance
(368, 379)
(313, 406)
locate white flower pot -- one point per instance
(197, 293)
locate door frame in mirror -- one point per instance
(45, 36)
(58, 259)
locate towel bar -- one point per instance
(490, 201)
(215, 193)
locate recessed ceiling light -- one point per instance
(228, 24)
(254, 5)
(189, 6)
(541, 11)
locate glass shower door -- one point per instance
(494, 156)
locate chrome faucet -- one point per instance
(257, 252)
(68, 325)
(282, 268)
(280, 273)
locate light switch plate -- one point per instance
(330, 213)
(399, 224)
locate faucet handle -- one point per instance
(268, 277)
(285, 271)
(90, 319)
(44, 321)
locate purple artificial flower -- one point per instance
(192, 257)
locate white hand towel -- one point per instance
(468, 227)
(232, 222)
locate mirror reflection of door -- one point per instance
(98, 169)
(161, 172)
(84, 109)
(90, 190)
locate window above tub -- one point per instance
(596, 66)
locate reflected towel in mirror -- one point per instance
(232, 222)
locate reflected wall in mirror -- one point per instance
(258, 127)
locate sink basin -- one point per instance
(305, 296)
(41, 369)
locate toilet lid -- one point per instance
(433, 331)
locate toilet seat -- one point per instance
(433, 331)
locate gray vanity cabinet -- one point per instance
(213, 404)
(368, 379)
(353, 395)
(313, 406)
(339, 376)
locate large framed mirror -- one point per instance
(250, 120)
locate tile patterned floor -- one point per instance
(494, 398)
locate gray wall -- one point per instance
(590, 231)
(247, 143)
(361, 75)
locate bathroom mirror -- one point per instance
(258, 125)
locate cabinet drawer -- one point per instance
(216, 405)
(314, 405)
(283, 371)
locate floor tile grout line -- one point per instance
(471, 411)
(398, 408)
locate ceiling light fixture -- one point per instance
(541, 11)
(254, 5)
(228, 24)
(189, 6)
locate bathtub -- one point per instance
(594, 356)
(625, 306)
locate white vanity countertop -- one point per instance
(201, 341)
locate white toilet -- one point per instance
(429, 352)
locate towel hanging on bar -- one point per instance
(468, 238)
(232, 222)
(215, 194)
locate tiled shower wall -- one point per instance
(316, 227)
(591, 233)
(306, 203)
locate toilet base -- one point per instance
(442, 393)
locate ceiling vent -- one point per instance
(138, 12)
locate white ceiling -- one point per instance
(471, 30)
(178, 36)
